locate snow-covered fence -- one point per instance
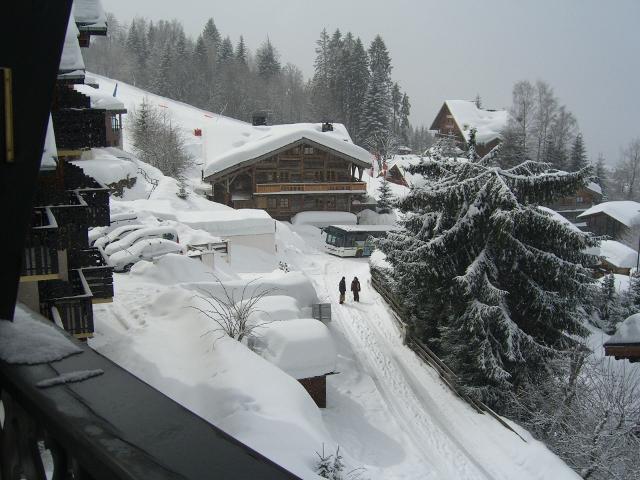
(448, 377)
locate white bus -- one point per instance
(353, 240)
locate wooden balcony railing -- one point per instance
(111, 427)
(69, 304)
(359, 187)
(97, 273)
(41, 245)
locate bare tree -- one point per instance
(545, 112)
(522, 112)
(232, 310)
(589, 417)
(629, 168)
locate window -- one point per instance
(115, 123)
(308, 150)
(579, 200)
(273, 202)
(284, 203)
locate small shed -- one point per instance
(304, 349)
(625, 343)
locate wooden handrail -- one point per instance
(310, 187)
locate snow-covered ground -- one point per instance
(388, 412)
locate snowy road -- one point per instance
(447, 438)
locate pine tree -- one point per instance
(376, 121)
(578, 157)
(405, 111)
(241, 51)
(492, 283)
(386, 198)
(338, 466)
(601, 174)
(324, 465)
(225, 53)
(612, 305)
(472, 156)
(267, 60)
(478, 101)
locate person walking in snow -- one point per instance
(342, 288)
(355, 288)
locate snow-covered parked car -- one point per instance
(116, 234)
(146, 249)
(117, 220)
(168, 233)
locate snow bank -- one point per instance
(173, 268)
(324, 219)
(626, 212)
(369, 217)
(293, 284)
(303, 347)
(276, 308)
(628, 331)
(379, 259)
(29, 340)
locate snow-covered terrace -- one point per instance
(263, 141)
(89, 15)
(625, 343)
(71, 62)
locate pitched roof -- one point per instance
(627, 332)
(264, 141)
(616, 253)
(488, 123)
(626, 212)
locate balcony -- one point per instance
(78, 129)
(326, 187)
(69, 304)
(96, 272)
(110, 427)
(40, 258)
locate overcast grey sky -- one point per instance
(588, 50)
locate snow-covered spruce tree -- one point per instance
(386, 198)
(492, 282)
(578, 157)
(610, 305)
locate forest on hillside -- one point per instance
(352, 84)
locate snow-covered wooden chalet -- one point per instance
(614, 219)
(625, 343)
(287, 169)
(456, 118)
(573, 205)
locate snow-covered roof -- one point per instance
(100, 100)
(594, 187)
(50, 153)
(616, 253)
(626, 212)
(263, 141)
(89, 15)
(627, 332)
(365, 228)
(488, 123)
(71, 59)
(301, 347)
(561, 219)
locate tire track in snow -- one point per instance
(439, 449)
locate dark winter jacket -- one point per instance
(342, 286)
(355, 285)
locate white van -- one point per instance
(168, 233)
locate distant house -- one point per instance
(287, 169)
(573, 205)
(615, 257)
(625, 343)
(304, 349)
(614, 219)
(456, 118)
(397, 170)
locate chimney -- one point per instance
(259, 118)
(327, 127)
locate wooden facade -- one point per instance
(302, 176)
(572, 206)
(602, 224)
(623, 351)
